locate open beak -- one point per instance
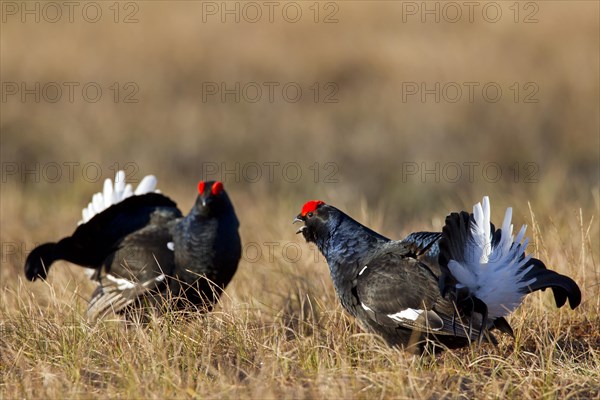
(299, 219)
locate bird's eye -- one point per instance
(309, 215)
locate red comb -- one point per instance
(201, 187)
(311, 206)
(217, 188)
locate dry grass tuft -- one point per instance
(280, 332)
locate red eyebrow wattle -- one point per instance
(201, 187)
(217, 188)
(311, 206)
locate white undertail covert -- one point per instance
(113, 194)
(493, 272)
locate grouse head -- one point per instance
(212, 199)
(319, 220)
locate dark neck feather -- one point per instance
(347, 244)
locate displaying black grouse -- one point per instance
(143, 251)
(449, 288)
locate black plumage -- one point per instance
(144, 252)
(405, 290)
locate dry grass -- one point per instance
(279, 332)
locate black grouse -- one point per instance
(446, 288)
(143, 252)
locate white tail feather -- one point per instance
(128, 192)
(147, 184)
(119, 182)
(493, 273)
(113, 194)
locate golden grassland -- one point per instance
(279, 331)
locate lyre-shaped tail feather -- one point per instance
(562, 286)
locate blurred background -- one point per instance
(396, 112)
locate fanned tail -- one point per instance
(90, 244)
(490, 264)
(113, 194)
